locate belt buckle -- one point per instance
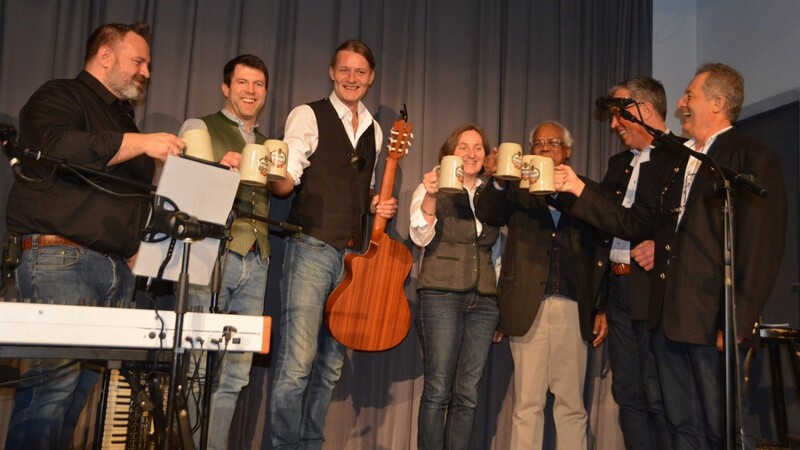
(621, 268)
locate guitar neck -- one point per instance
(399, 138)
(387, 187)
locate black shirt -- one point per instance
(80, 121)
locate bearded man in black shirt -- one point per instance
(78, 242)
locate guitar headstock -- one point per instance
(399, 139)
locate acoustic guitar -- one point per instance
(369, 310)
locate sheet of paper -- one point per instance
(204, 191)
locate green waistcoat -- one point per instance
(225, 137)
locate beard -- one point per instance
(126, 85)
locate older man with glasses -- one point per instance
(546, 298)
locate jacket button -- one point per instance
(662, 276)
(599, 263)
(619, 192)
(666, 247)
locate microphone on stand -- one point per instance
(606, 103)
(8, 139)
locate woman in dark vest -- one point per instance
(457, 313)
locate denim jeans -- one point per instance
(309, 361)
(455, 330)
(692, 384)
(47, 405)
(244, 283)
(634, 381)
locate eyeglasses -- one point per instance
(552, 143)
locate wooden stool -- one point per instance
(774, 337)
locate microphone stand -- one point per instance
(216, 282)
(64, 164)
(177, 225)
(729, 178)
(173, 223)
(211, 358)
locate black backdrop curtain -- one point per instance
(504, 64)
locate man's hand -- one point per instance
(600, 329)
(490, 163)
(385, 209)
(567, 181)
(497, 337)
(644, 254)
(231, 159)
(132, 261)
(155, 145)
(721, 340)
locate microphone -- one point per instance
(606, 103)
(8, 139)
(7, 132)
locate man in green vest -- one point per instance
(244, 271)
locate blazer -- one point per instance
(688, 291)
(526, 260)
(615, 184)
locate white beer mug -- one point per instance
(253, 168)
(198, 144)
(542, 178)
(451, 174)
(509, 161)
(277, 158)
(525, 172)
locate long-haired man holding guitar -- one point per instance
(333, 147)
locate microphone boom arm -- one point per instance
(743, 180)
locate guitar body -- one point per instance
(372, 316)
(369, 310)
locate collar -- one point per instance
(643, 154)
(342, 109)
(107, 96)
(231, 116)
(692, 143)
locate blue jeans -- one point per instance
(692, 384)
(309, 361)
(47, 405)
(244, 284)
(634, 383)
(455, 329)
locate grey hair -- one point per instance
(567, 135)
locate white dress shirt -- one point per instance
(302, 134)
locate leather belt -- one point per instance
(620, 268)
(46, 240)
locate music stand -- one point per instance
(205, 192)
